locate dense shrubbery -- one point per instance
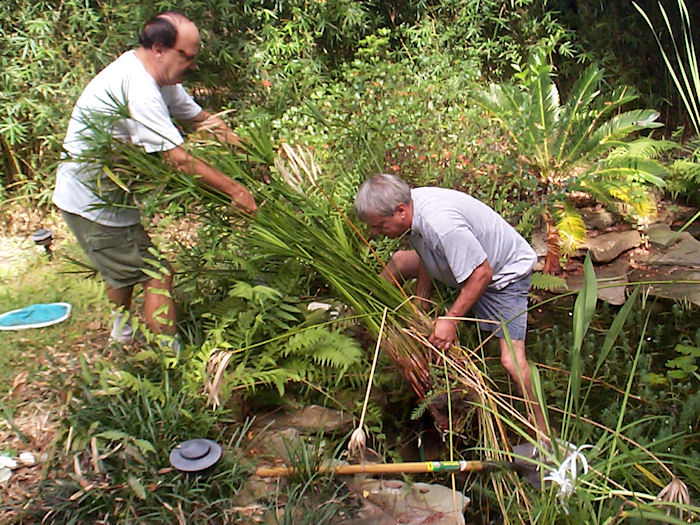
(269, 57)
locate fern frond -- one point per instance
(324, 347)
(644, 148)
(572, 229)
(123, 380)
(338, 356)
(688, 170)
(548, 282)
(249, 380)
(424, 405)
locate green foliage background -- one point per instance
(273, 57)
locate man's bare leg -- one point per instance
(120, 297)
(122, 330)
(403, 265)
(519, 371)
(159, 306)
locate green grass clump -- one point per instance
(113, 464)
(28, 276)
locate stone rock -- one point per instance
(5, 475)
(369, 514)
(315, 418)
(604, 248)
(607, 276)
(684, 253)
(416, 504)
(255, 489)
(688, 290)
(280, 444)
(308, 420)
(27, 459)
(660, 234)
(597, 218)
(539, 243)
(694, 228)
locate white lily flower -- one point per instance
(565, 475)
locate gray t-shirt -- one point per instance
(454, 233)
(83, 189)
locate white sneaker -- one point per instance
(169, 342)
(122, 328)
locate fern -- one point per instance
(548, 282)
(685, 179)
(269, 343)
(324, 347)
(120, 380)
(418, 412)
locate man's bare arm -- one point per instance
(473, 288)
(211, 123)
(424, 286)
(211, 178)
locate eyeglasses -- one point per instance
(185, 54)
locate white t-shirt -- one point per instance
(454, 233)
(150, 126)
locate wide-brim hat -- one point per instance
(195, 455)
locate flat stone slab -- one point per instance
(539, 243)
(283, 445)
(606, 247)
(597, 218)
(611, 279)
(415, 504)
(662, 236)
(694, 229)
(675, 213)
(684, 253)
(686, 287)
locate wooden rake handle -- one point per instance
(391, 468)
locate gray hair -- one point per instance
(380, 195)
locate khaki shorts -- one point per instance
(508, 305)
(120, 253)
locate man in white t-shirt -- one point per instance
(463, 243)
(103, 218)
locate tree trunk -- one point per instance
(551, 262)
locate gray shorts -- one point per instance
(120, 253)
(508, 304)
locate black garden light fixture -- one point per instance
(195, 455)
(44, 238)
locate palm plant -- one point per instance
(582, 144)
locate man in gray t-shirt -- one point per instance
(103, 217)
(463, 243)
